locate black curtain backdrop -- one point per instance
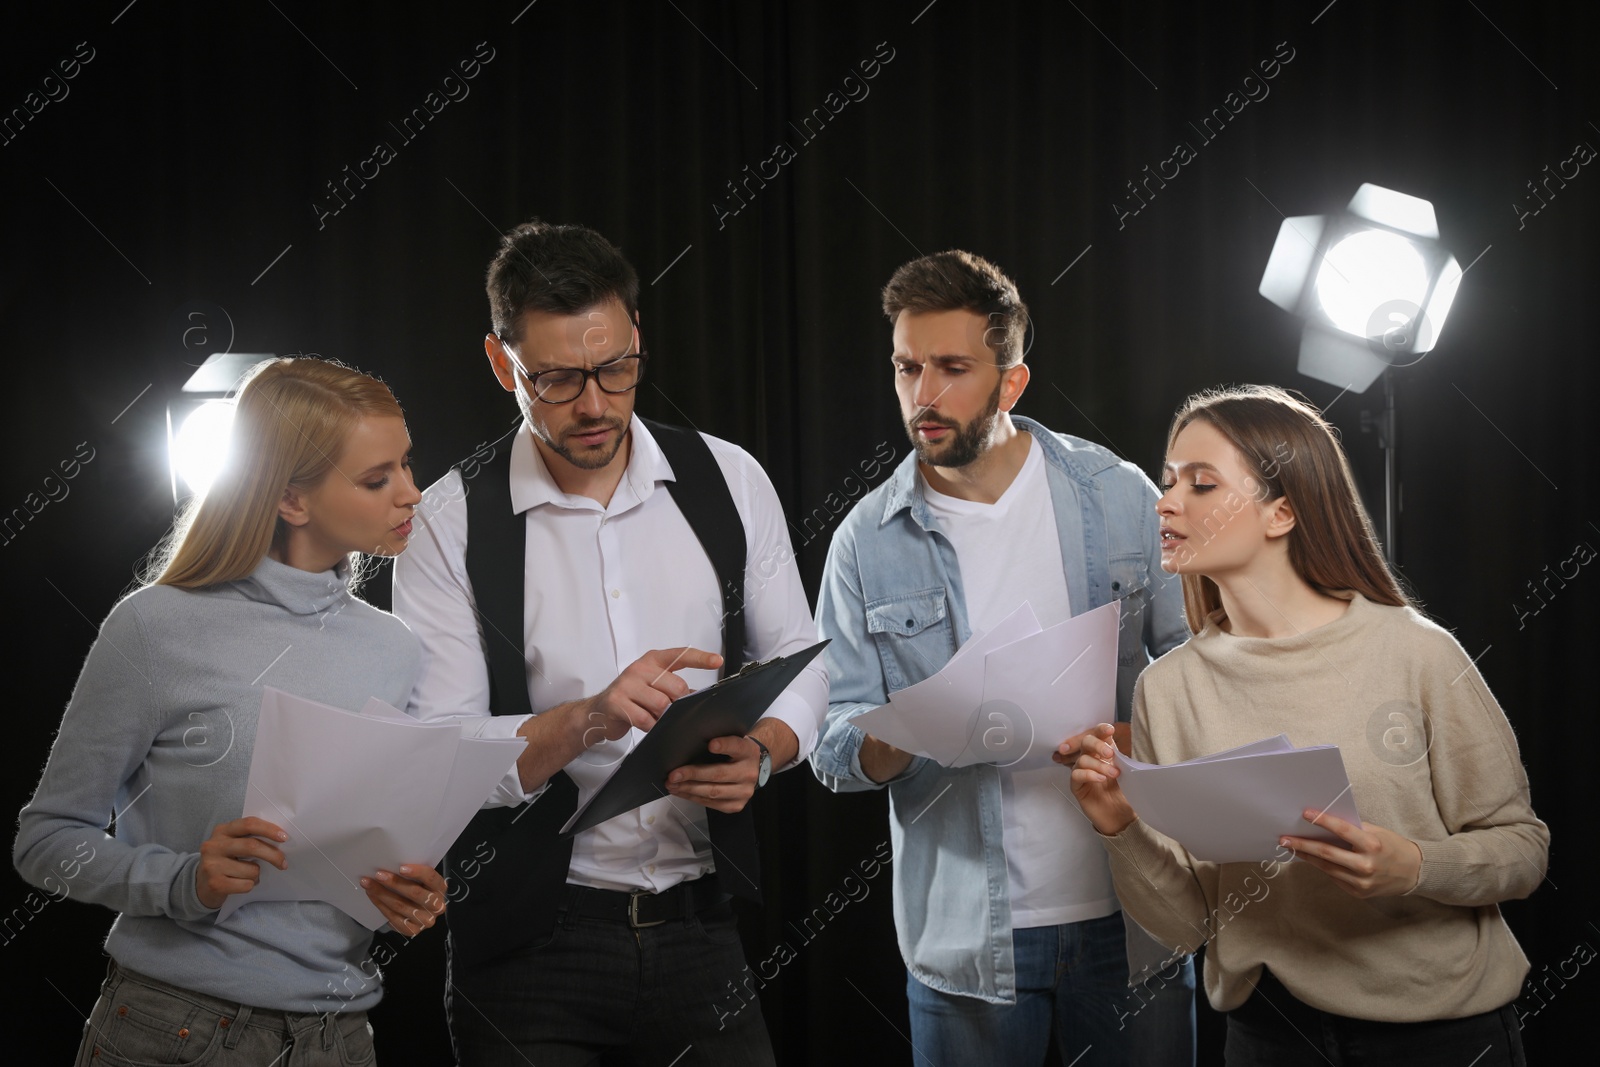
(186, 178)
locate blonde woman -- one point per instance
(251, 588)
(1389, 950)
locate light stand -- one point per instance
(1374, 286)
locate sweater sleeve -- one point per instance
(94, 766)
(1496, 848)
(1155, 877)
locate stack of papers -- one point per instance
(356, 793)
(1010, 695)
(1232, 806)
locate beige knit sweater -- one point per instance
(1457, 789)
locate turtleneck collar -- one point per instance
(300, 592)
(1355, 617)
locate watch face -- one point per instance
(766, 769)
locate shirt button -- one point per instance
(651, 821)
(652, 868)
(615, 593)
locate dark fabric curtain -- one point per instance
(290, 177)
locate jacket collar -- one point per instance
(1077, 459)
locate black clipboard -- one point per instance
(683, 733)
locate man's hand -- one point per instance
(881, 761)
(1378, 863)
(728, 786)
(640, 693)
(637, 697)
(229, 858)
(411, 900)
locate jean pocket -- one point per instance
(135, 1025)
(353, 1033)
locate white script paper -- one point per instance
(1009, 695)
(360, 792)
(1232, 806)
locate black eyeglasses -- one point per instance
(563, 385)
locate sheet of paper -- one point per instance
(935, 717)
(1044, 688)
(1232, 806)
(480, 764)
(359, 792)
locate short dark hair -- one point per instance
(559, 267)
(960, 281)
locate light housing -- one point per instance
(1373, 284)
(200, 419)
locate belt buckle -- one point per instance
(633, 910)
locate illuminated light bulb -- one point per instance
(201, 445)
(1367, 269)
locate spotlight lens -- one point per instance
(201, 445)
(1365, 270)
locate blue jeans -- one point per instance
(599, 991)
(1273, 1027)
(1074, 976)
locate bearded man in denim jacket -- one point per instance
(1003, 901)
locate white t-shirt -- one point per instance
(1010, 552)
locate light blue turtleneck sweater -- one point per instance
(160, 731)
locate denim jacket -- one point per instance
(892, 602)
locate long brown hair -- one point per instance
(1293, 453)
(292, 418)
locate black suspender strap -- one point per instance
(701, 493)
(508, 869)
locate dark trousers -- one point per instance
(601, 992)
(1272, 1027)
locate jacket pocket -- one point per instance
(913, 634)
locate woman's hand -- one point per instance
(410, 900)
(1379, 863)
(229, 858)
(1066, 753)
(1094, 780)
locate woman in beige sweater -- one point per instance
(1390, 950)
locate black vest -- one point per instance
(508, 869)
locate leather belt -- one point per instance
(640, 908)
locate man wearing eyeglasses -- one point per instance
(593, 568)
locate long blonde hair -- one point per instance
(292, 418)
(1293, 453)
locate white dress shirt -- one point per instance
(603, 586)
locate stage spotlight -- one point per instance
(1373, 284)
(201, 444)
(1374, 287)
(199, 421)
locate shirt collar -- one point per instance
(533, 486)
